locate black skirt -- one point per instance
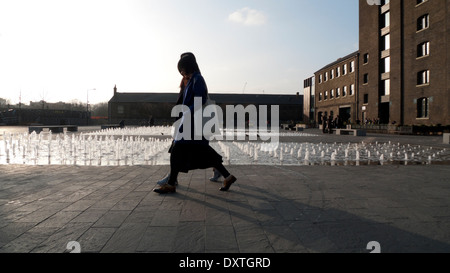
(186, 157)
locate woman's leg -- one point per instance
(216, 175)
(164, 180)
(229, 179)
(222, 170)
(175, 157)
(173, 176)
(216, 163)
(171, 185)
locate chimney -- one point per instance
(115, 89)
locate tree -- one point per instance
(4, 102)
(100, 109)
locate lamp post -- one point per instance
(87, 105)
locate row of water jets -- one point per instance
(115, 150)
(332, 153)
(93, 150)
(169, 131)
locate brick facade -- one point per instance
(418, 61)
(336, 89)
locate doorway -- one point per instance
(384, 113)
(345, 115)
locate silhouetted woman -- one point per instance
(190, 154)
(184, 82)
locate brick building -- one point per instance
(156, 108)
(402, 67)
(405, 62)
(336, 90)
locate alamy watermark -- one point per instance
(374, 246)
(207, 121)
(73, 247)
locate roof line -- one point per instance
(339, 60)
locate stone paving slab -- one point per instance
(271, 209)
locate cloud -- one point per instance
(248, 17)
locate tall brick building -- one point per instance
(405, 61)
(402, 67)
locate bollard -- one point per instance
(446, 138)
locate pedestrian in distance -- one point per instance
(330, 124)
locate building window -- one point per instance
(320, 78)
(366, 98)
(344, 69)
(326, 95)
(423, 108)
(326, 76)
(385, 19)
(386, 65)
(344, 91)
(338, 92)
(352, 90)
(366, 58)
(120, 109)
(423, 77)
(352, 66)
(385, 87)
(338, 72)
(423, 22)
(320, 96)
(384, 2)
(423, 49)
(332, 94)
(332, 74)
(386, 42)
(366, 79)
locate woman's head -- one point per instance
(188, 64)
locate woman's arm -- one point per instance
(197, 89)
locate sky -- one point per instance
(78, 50)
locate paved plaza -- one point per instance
(271, 209)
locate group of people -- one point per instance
(187, 154)
(369, 121)
(328, 124)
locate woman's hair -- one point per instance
(188, 63)
(187, 54)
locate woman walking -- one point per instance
(187, 153)
(216, 175)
